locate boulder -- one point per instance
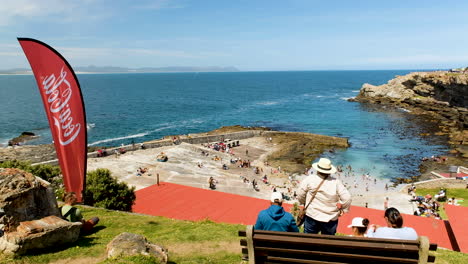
(29, 215)
(128, 244)
(47, 232)
(24, 197)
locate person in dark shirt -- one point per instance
(274, 218)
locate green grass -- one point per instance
(188, 242)
(444, 256)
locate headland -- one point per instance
(439, 98)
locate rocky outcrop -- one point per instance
(25, 136)
(128, 244)
(442, 96)
(23, 197)
(446, 88)
(29, 216)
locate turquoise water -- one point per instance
(122, 108)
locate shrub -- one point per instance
(23, 165)
(103, 190)
(46, 172)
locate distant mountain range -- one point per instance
(111, 69)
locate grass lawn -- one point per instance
(187, 242)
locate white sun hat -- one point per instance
(276, 196)
(357, 222)
(324, 166)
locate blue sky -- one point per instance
(250, 35)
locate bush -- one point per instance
(103, 190)
(23, 165)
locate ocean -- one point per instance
(126, 108)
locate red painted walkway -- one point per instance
(458, 222)
(189, 203)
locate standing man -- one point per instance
(275, 218)
(330, 199)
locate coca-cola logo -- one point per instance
(58, 92)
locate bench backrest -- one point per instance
(285, 247)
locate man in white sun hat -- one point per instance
(327, 196)
(274, 218)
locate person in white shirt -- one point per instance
(394, 229)
(331, 200)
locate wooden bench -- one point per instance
(260, 246)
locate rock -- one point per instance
(128, 244)
(25, 136)
(47, 232)
(30, 216)
(24, 197)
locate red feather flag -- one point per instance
(63, 103)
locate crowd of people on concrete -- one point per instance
(222, 146)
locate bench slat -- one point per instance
(361, 258)
(301, 261)
(309, 242)
(432, 246)
(245, 252)
(330, 237)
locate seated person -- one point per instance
(417, 198)
(359, 226)
(394, 229)
(73, 214)
(441, 195)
